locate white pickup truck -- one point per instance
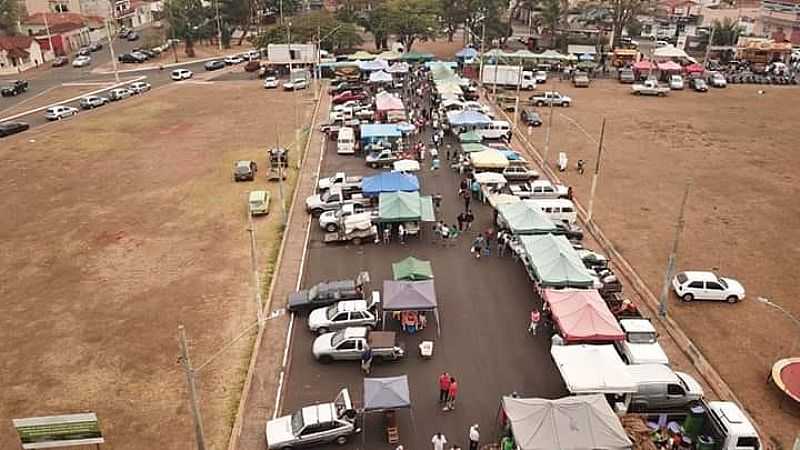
(649, 87)
(329, 220)
(724, 424)
(333, 200)
(350, 343)
(641, 343)
(338, 178)
(539, 189)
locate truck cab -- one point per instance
(350, 343)
(641, 345)
(382, 158)
(550, 98)
(314, 425)
(333, 199)
(329, 220)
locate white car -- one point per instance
(707, 286)
(676, 82)
(641, 343)
(540, 77)
(477, 106)
(347, 313)
(233, 60)
(295, 85)
(660, 44)
(139, 87)
(181, 74)
(314, 425)
(93, 101)
(81, 61)
(270, 83)
(717, 80)
(60, 112)
(119, 94)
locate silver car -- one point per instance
(139, 87)
(60, 112)
(314, 425)
(93, 101)
(347, 313)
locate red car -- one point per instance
(346, 96)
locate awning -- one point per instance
(406, 165)
(467, 118)
(552, 262)
(523, 218)
(669, 66)
(592, 369)
(490, 178)
(580, 50)
(412, 269)
(398, 67)
(669, 51)
(474, 147)
(467, 53)
(488, 159)
(386, 393)
(389, 182)
(576, 423)
(552, 54)
(582, 316)
(470, 137)
(495, 200)
(379, 130)
(361, 55)
(380, 76)
(375, 64)
(409, 295)
(416, 56)
(385, 101)
(450, 88)
(405, 207)
(694, 68)
(643, 65)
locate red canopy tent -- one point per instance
(694, 68)
(644, 65)
(582, 316)
(669, 66)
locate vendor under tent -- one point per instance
(488, 159)
(470, 137)
(669, 66)
(408, 208)
(669, 52)
(380, 76)
(389, 182)
(490, 183)
(361, 55)
(412, 269)
(523, 218)
(385, 395)
(467, 118)
(592, 369)
(582, 316)
(551, 261)
(582, 422)
(408, 296)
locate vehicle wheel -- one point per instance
(287, 448)
(357, 241)
(59, 118)
(341, 440)
(687, 297)
(331, 227)
(316, 212)
(565, 105)
(322, 330)
(325, 359)
(732, 299)
(661, 94)
(540, 103)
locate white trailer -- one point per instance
(508, 76)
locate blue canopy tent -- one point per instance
(389, 182)
(467, 118)
(511, 155)
(379, 130)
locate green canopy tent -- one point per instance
(473, 148)
(417, 56)
(552, 262)
(412, 269)
(524, 218)
(470, 137)
(405, 207)
(361, 55)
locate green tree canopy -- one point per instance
(726, 32)
(11, 11)
(189, 21)
(412, 20)
(311, 27)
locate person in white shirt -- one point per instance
(438, 441)
(474, 437)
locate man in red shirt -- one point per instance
(444, 386)
(452, 392)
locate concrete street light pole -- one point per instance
(110, 49)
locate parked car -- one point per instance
(641, 343)
(349, 343)
(580, 79)
(258, 203)
(699, 85)
(548, 98)
(540, 76)
(519, 173)
(181, 74)
(270, 83)
(139, 87)
(147, 53)
(295, 85)
(133, 36)
(627, 76)
(676, 82)
(214, 65)
(123, 33)
(15, 88)
(531, 118)
(93, 101)
(95, 46)
(132, 58)
(81, 61)
(659, 388)
(232, 60)
(251, 55)
(347, 313)
(245, 170)
(329, 292)
(60, 61)
(717, 80)
(60, 112)
(346, 96)
(9, 128)
(707, 286)
(649, 87)
(84, 51)
(314, 425)
(119, 94)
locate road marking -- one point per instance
(87, 83)
(28, 99)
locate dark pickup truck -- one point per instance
(328, 293)
(15, 88)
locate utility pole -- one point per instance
(190, 372)
(662, 301)
(596, 171)
(219, 27)
(483, 38)
(516, 102)
(708, 47)
(110, 48)
(256, 278)
(280, 9)
(547, 135)
(50, 37)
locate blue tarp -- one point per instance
(389, 182)
(379, 130)
(467, 53)
(467, 118)
(510, 155)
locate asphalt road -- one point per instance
(484, 307)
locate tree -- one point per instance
(378, 23)
(551, 15)
(453, 14)
(235, 14)
(275, 7)
(634, 28)
(189, 21)
(11, 11)
(310, 28)
(623, 12)
(410, 20)
(726, 32)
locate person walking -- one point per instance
(366, 360)
(401, 232)
(489, 235)
(470, 218)
(501, 243)
(452, 393)
(444, 385)
(438, 441)
(467, 199)
(535, 318)
(477, 246)
(462, 217)
(474, 437)
(387, 235)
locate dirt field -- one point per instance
(738, 149)
(120, 225)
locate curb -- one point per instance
(162, 66)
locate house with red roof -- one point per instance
(18, 54)
(67, 31)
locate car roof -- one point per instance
(652, 373)
(700, 276)
(355, 332)
(351, 305)
(243, 163)
(637, 326)
(733, 417)
(325, 412)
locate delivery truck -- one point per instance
(508, 76)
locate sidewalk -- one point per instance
(258, 402)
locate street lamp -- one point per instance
(482, 20)
(786, 313)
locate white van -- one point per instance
(558, 210)
(258, 203)
(346, 142)
(498, 129)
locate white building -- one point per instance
(18, 54)
(294, 53)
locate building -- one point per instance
(135, 13)
(295, 53)
(67, 31)
(18, 54)
(780, 19)
(100, 8)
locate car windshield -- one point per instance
(337, 338)
(330, 313)
(242, 169)
(682, 278)
(722, 282)
(641, 337)
(297, 422)
(313, 293)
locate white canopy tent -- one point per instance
(592, 369)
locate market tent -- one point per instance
(470, 137)
(467, 53)
(385, 101)
(380, 76)
(511, 155)
(495, 200)
(389, 182)
(467, 118)
(417, 56)
(405, 127)
(579, 50)
(398, 67)
(644, 65)
(473, 147)
(488, 159)
(669, 51)
(583, 316)
(406, 165)
(412, 269)
(524, 218)
(410, 296)
(387, 393)
(490, 178)
(361, 55)
(552, 262)
(404, 207)
(379, 130)
(552, 54)
(577, 423)
(669, 66)
(694, 68)
(389, 55)
(375, 64)
(450, 88)
(586, 57)
(592, 369)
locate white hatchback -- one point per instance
(60, 112)
(181, 74)
(707, 286)
(270, 83)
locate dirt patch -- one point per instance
(737, 149)
(115, 233)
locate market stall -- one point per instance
(406, 165)
(582, 316)
(409, 302)
(523, 218)
(399, 68)
(373, 65)
(490, 183)
(470, 137)
(592, 369)
(379, 135)
(389, 182)
(386, 395)
(361, 55)
(583, 422)
(474, 147)
(407, 208)
(380, 77)
(467, 119)
(495, 200)
(389, 106)
(489, 159)
(551, 261)
(412, 269)
(643, 67)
